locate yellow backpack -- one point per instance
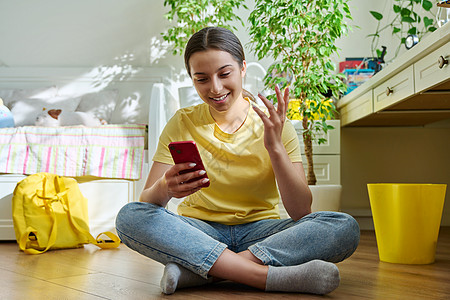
(49, 212)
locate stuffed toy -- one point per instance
(6, 117)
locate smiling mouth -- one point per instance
(220, 98)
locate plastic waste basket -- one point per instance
(407, 219)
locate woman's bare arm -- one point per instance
(290, 177)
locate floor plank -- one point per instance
(18, 286)
(91, 273)
(110, 286)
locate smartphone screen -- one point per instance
(186, 151)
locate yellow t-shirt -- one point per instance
(243, 187)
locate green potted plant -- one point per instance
(190, 16)
(300, 35)
(410, 21)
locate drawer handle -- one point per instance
(442, 62)
(389, 91)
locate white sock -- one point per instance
(176, 277)
(315, 277)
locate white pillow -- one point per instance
(36, 93)
(100, 104)
(25, 111)
(6, 96)
(127, 111)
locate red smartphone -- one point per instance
(186, 151)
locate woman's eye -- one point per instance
(225, 74)
(200, 79)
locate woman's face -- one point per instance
(217, 78)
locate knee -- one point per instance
(343, 231)
(132, 214)
(341, 224)
(124, 214)
(348, 233)
(351, 230)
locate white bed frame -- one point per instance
(105, 196)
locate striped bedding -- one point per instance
(111, 151)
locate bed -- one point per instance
(110, 161)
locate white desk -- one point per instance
(412, 91)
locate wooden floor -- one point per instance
(90, 273)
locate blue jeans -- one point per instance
(195, 244)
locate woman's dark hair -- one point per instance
(214, 38)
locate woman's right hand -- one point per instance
(177, 181)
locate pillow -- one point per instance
(127, 111)
(25, 111)
(36, 93)
(13, 95)
(6, 96)
(100, 104)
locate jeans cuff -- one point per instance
(266, 258)
(211, 259)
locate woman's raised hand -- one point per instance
(274, 123)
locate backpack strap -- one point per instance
(30, 230)
(115, 241)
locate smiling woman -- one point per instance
(232, 229)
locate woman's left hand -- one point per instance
(274, 123)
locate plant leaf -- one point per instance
(428, 21)
(376, 15)
(408, 20)
(405, 12)
(427, 5)
(412, 30)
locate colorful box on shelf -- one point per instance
(356, 77)
(352, 63)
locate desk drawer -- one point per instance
(428, 72)
(358, 109)
(394, 90)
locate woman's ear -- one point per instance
(244, 68)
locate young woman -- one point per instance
(231, 230)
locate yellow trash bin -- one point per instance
(407, 218)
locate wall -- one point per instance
(83, 33)
(393, 155)
(105, 32)
(79, 33)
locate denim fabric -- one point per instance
(195, 244)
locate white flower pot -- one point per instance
(326, 197)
